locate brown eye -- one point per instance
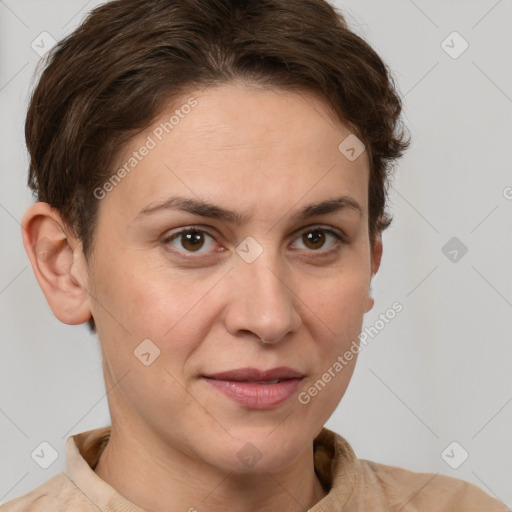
(314, 239)
(319, 239)
(191, 240)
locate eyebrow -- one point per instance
(209, 210)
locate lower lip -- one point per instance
(257, 396)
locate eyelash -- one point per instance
(339, 241)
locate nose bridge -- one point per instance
(263, 302)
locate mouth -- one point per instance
(257, 389)
(275, 381)
(256, 376)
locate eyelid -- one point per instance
(173, 233)
(327, 228)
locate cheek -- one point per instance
(340, 304)
(145, 296)
(337, 319)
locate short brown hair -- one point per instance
(110, 78)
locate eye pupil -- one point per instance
(314, 239)
(192, 240)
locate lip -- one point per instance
(242, 385)
(254, 374)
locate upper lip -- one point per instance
(254, 374)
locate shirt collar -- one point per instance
(336, 466)
(82, 454)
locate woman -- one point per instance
(211, 181)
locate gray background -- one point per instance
(440, 371)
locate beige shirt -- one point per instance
(354, 485)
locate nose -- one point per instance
(263, 304)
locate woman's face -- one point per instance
(276, 256)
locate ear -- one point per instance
(58, 263)
(376, 256)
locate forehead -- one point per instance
(237, 143)
(239, 117)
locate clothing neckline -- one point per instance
(335, 465)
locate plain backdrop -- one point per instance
(440, 371)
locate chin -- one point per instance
(262, 450)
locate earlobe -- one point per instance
(58, 263)
(369, 303)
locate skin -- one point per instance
(265, 154)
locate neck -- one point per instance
(153, 477)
